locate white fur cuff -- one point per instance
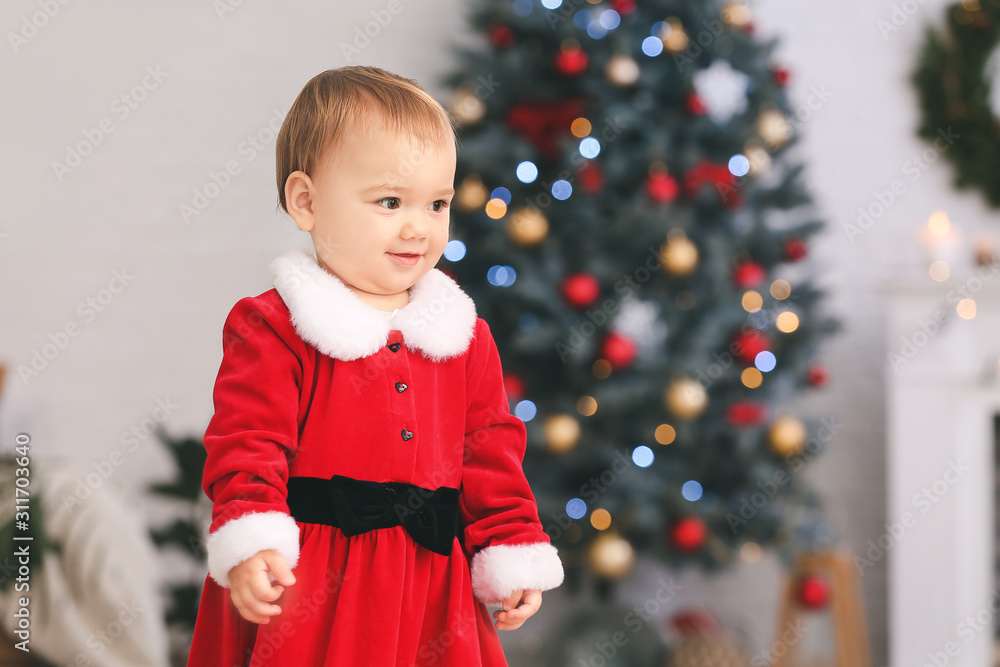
(241, 538)
(499, 570)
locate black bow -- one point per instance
(357, 506)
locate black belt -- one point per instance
(357, 506)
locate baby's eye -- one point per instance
(395, 199)
(443, 206)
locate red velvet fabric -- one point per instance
(376, 599)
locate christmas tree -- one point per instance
(632, 225)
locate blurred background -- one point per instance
(738, 257)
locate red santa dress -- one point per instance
(314, 382)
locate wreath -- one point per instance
(953, 80)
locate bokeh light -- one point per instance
(600, 519)
(665, 434)
(527, 172)
(454, 251)
(765, 361)
(751, 378)
(642, 456)
(691, 490)
(525, 410)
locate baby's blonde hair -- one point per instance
(354, 98)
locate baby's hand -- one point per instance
(251, 588)
(521, 604)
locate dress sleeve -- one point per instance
(510, 549)
(250, 439)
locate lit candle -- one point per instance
(939, 239)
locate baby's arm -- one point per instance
(248, 443)
(511, 555)
(252, 589)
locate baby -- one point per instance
(362, 435)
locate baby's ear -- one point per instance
(299, 199)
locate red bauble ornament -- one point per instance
(543, 124)
(718, 177)
(513, 385)
(591, 178)
(818, 375)
(618, 349)
(795, 249)
(746, 413)
(748, 274)
(571, 62)
(623, 7)
(661, 187)
(781, 76)
(747, 345)
(695, 621)
(501, 36)
(814, 592)
(695, 105)
(688, 534)
(581, 289)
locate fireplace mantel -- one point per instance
(942, 392)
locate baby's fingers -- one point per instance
(532, 601)
(252, 608)
(262, 589)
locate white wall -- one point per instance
(158, 339)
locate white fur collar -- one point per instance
(439, 320)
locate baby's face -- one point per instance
(377, 198)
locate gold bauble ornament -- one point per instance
(621, 70)
(758, 157)
(561, 432)
(673, 35)
(611, 556)
(472, 194)
(527, 226)
(787, 436)
(736, 14)
(774, 128)
(466, 107)
(685, 398)
(679, 256)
